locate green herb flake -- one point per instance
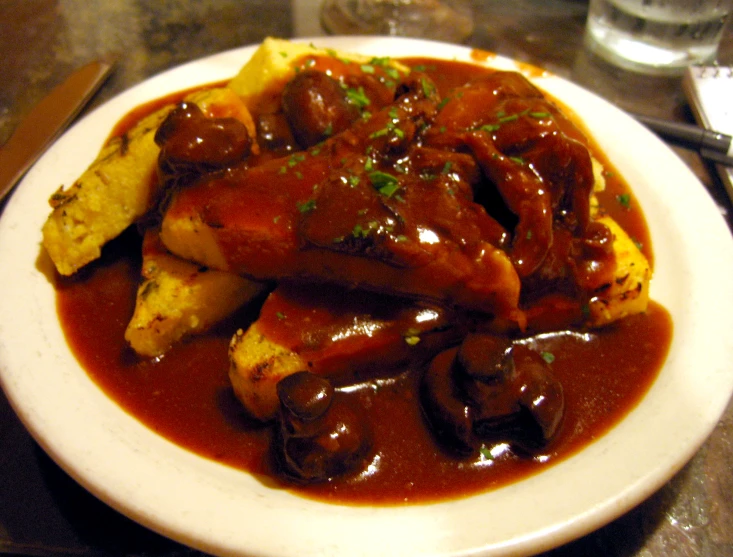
(624, 200)
(486, 452)
(384, 183)
(638, 244)
(539, 115)
(306, 206)
(549, 357)
(295, 159)
(357, 97)
(443, 102)
(359, 231)
(447, 167)
(490, 128)
(280, 315)
(412, 340)
(367, 68)
(380, 61)
(510, 118)
(518, 160)
(428, 88)
(379, 133)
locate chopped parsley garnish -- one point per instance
(486, 452)
(412, 336)
(428, 88)
(359, 231)
(367, 68)
(280, 315)
(384, 183)
(510, 118)
(295, 159)
(357, 97)
(549, 357)
(624, 200)
(539, 115)
(518, 160)
(306, 206)
(490, 128)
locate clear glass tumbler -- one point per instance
(656, 35)
(443, 20)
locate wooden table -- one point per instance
(42, 510)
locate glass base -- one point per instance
(442, 20)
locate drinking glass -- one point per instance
(661, 35)
(444, 20)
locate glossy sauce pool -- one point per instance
(186, 396)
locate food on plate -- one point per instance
(422, 238)
(119, 187)
(178, 298)
(374, 334)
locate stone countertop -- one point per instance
(42, 510)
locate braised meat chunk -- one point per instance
(364, 208)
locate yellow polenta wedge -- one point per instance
(179, 298)
(628, 294)
(119, 186)
(275, 61)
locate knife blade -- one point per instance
(47, 120)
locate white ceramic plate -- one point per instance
(225, 511)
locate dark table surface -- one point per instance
(42, 510)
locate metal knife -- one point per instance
(47, 120)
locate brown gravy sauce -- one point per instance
(186, 397)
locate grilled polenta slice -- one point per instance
(178, 298)
(275, 62)
(628, 293)
(256, 365)
(119, 186)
